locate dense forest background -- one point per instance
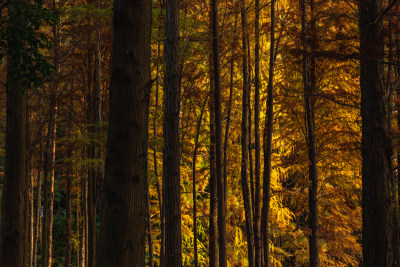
(286, 147)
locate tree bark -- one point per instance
(267, 145)
(257, 145)
(245, 140)
(312, 154)
(171, 162)
(374, 145)
(155, 115)
(122, 231)
(196, 145)
(38, 209)
(213, 223)
(218, 139)
(68, 246)
(13, 196)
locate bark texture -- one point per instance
(171, 174)
(122, 233)
(374, 145)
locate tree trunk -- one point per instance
(228, 119)
(245, 139)
(196, 144)
(257, 145)
(13, 196)
(218, 141)
(267, 145)
(82, 256)
(38, 204)
(312, 154)
(374, 145)
(171, 173)
(68, 247)
(155, 116)
(122, 233)
(213, 223)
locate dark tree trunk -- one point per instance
(13, 196)
(267, 143)
(218, 138)
(122, 232)
(228, 119)
(245, 140)
(38, 208)
(213, 223)
(68, 246)
(82, 243)
(374, 145)
(312, 154)
(257, 145)
(171, 174)
(196, 145)
(155, 115)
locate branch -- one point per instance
(336, 101)
(384, 11)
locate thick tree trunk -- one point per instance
(13, 196)
(245, 140)
(171, 162)
(267, 145)
(375, 162)
(122, 233)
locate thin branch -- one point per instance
(384, 11)
(336, 101)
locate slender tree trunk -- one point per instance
(267, 143)
(257, 144)
(123, 232)
(29, 181)
(38, 209)
(375, 163)
(312, 154)
(68, 246)
(82, 256)
(244, 140)
(158, 187)
(392, 177)
(196, 145)
(77, 225)
(171, 173)
(218, 141)
(228, 119)
(51, 197)
(213, 222)
(13, 196)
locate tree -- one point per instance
(218, 138)
(376, 239)
(268, 130)
(171, 174)
(245, 137)
(13, 197)
(122, 232)
(309, 88)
